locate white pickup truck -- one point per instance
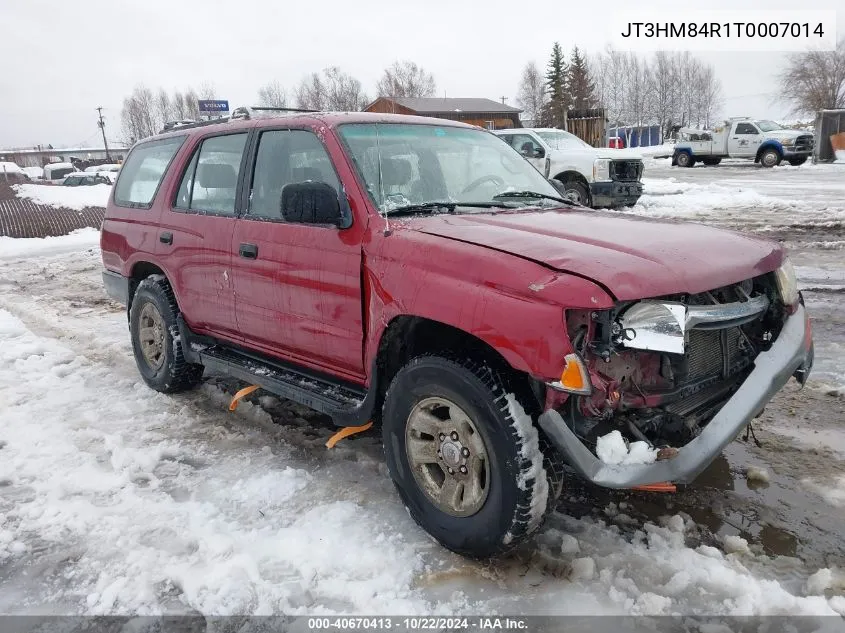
(767, 142)
(587, 175)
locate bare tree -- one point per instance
(180, 107)
(406, 79)
(272, 95)
(139, 117)
(532, 96)
(815, 80)
(208, 90)
(330, 90)
(163, 107)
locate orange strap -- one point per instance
(346, 432)
(661, 487)
(240, 394)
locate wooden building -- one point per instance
(482, 112)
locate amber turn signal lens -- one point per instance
(574, 377)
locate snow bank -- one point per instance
(612, 449)
(13, 248)
(77, 198)
(119, 500)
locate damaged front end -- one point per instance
(684, 373)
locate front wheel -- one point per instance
(770, 158)
(464, 456)
(684, 159)
(574, 191)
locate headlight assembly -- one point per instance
(787, 283)
(601, 169)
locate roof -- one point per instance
(453, 104)
(331, 119)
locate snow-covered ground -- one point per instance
(116, 499)
(77, 198)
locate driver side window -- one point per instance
(746, 128)
(525, 145)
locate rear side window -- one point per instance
(210, 183)
(143, 171)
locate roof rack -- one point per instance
(238, 114)
(249, 112)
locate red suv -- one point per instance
(422, 275)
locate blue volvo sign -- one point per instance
(213, 105)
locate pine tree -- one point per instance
(556, 71)
(582, 88)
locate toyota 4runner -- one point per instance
(421, 275)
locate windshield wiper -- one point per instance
(528, 194)
(534, 194)
(432, 206)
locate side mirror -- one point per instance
(539, 152)
(311, 203)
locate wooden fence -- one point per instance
(23, 218)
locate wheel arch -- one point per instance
(767, 145)
(406, 337)
(572, 174)
(140, 270)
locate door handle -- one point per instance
(166, 237)
(249, 251)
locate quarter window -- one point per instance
(143, 171)
(287, 157)
(210, 183)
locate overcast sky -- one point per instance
(63, 59)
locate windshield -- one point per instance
(768, 126)
(409, 165)
(558, 139)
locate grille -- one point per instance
(804, 143)
(626, 169)
(705, 356)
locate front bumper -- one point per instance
(791, 354)
(615, 193)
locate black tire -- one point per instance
(575, 191)
(795, 162)
(684, 159)
(770, 158)
(711, 161)
(174, 373)
(521, 489)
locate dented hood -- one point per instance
(630, 256)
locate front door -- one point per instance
(297, 286)
(529, 147)
(744, 140)
(195, 240)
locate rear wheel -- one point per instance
(155, 342)
(770, 158)
(465, 457)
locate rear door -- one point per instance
(298, 286)
(196, 230)
(744, 140)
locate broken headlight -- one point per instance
(787, 283)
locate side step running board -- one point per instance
(346, 404)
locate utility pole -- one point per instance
(102, 125)
(503, 99)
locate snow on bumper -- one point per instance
(791, 354)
